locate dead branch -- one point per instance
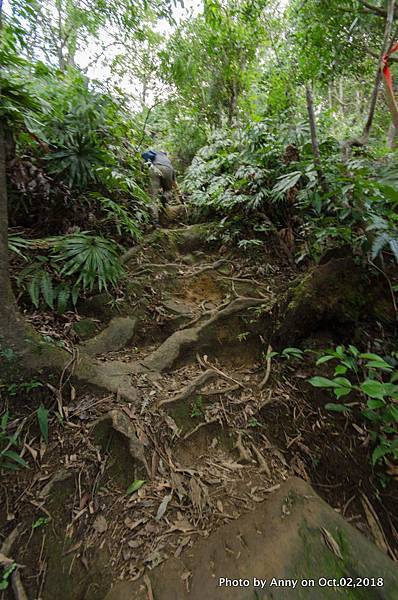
(192, 387)
(205, 362)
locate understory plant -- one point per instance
(73, 264)
(373, 379)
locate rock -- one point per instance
(330, 296)
(116, 336)
(293, 536)
(99, 306)
(177, 307)
(85, 329)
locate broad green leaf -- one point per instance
(323, 382)
(324, 359)
(373, 388)
(340, 370)
(374, 403)
(379, 364)
(341, 391)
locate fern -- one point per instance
(95, 259)
(381, 241)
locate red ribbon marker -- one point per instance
(390, 98)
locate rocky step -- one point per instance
(293, 546)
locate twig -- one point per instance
(148, 587)
(221, 373)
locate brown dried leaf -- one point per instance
(100, 524)
(133, 524)
(163, 506)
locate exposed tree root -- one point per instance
(192, 387)
(168, 353)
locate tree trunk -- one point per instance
(12, 331)
(314, 139)
(233, 101)
(392, 137)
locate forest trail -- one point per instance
(199, 434)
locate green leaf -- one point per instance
(373, 403)
(337, 407)
(341, 391)
(15, 457)
(379, 364)
(46, 285)
(323, 382)
(324, 359)
(136, 485)
(40, 522)
(373, 388)
(340, 370)
(371, 356)
(343, 382)
(379, 452)
(6, 575)
(42, 417)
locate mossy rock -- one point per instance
(101, 306)
(335, 295)
(85, 329)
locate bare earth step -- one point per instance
(293, 546)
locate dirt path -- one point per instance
(197, 438)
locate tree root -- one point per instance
(212, 267)
(168, 353)
(192, 387)
(244, 453)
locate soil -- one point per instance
(198, 463)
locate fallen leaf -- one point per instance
(163, 506)
(133, 524)
(100, 524)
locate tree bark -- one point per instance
(314, 139)
(392, 137)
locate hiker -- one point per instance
(162, 179)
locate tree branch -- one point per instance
(377, 10)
